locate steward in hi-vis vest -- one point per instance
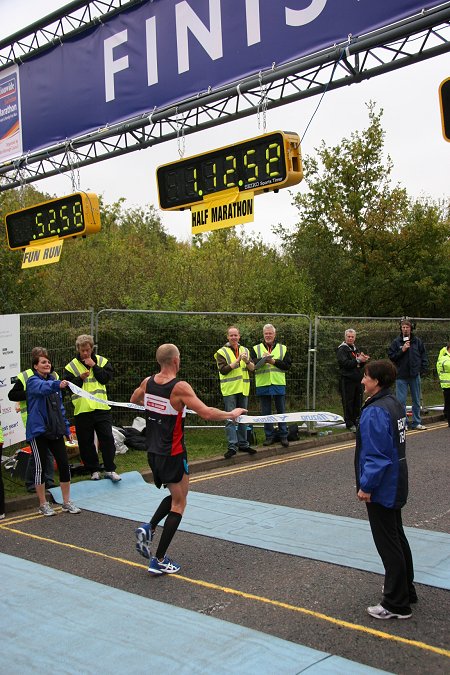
(269, 373)
(237, 380)
(233, 363)
(271, 360)
(443, 370)
(91, 372)
(94, 383)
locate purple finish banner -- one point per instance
(166, 51)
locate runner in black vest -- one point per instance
(165, 399)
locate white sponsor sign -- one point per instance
(10, 122)
(11, 420)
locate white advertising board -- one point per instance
(11, 420)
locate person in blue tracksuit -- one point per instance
(382, 483)
(46, 427)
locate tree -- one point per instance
(19, 290)
(366, 247)
(233, 273)
(122, 266)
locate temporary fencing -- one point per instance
(129, 339)
(373, 336)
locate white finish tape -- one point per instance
(321, 417)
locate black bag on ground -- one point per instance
(293, 433)
(251, 435)
(134, 439)
(17, 464)
(56, 426)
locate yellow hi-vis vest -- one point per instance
(443, 368)
(91, 385)
(237, 381)
(23, 377)
(1, 434)
(269, 374)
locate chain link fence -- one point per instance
(129, 339)
(56, 331)
(373, 336)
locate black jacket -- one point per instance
(412, 362)
(349, 367)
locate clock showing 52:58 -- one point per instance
(75, 215)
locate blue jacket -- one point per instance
(411, 363)
(38, 388)
(380, 461)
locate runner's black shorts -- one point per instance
(168, 469)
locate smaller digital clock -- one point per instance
(268, 162)
(75, 215)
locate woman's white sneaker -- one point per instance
(69, 507)
(379, 612)
(46, 510)
(112, 475)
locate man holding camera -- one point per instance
(408, 353)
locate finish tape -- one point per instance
(328, 417)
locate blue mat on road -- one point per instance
(87, 627)
(319, 536)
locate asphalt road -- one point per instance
(313, 603)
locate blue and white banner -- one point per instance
(321, 418)
(166, 51)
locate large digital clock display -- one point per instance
(267, 162)
(72, 216)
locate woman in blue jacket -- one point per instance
(382, 483)
(46, 427)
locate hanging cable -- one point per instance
(72, 158)
(262, 104)
(181, 141)
(326, 88)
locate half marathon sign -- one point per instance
(230, 208)
(164, 52)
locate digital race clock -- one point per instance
(264, 163)
(72, 216)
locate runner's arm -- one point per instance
(138, 394)
(183, 394)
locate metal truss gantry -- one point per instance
(360, 58)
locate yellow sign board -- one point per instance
(43, 254)
(444, 102)
(229, 208)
